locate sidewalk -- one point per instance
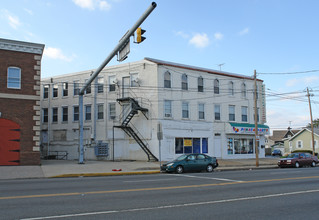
(71, 168)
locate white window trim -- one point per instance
(14, 67)
(297, 144)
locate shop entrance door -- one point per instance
(9, 142)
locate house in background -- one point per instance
(302, 141)
(20, 76)
(199, 110)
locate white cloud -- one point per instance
(218, 36)
(244, 31)
(56, 53)
(93, 4)
(305, 80)
(200, 40)
(182, 34)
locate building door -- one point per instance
(217, 146)
(9, 142)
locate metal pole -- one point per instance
(312, 135)
(256, 124)
(125, 39)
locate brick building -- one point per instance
(20, 75)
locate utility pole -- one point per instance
(118, 50)
(256, 123)
(312, 135)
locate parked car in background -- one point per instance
(276, 152)
(298, 160)
(191, 162)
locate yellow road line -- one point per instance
(153, 189)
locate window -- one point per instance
(100, 111)
(14, 78)
(46, 91)
(217, 112)
(231, 110)
(45, 115)
(216, 86)
(75, 113)
(55, 90)
(167, 80)
(100, 84)
(134, 80)
(88, 111)
(167, 108)
(88, 89)
(191, 145)
(200, 82)
(243, 90)
(65, 88)
(244, 114)
(185, 110)
(201, 111)
(231, 88)
(54, 114)
(65, 114)
(240, 146)
(112, 111)
(184, 82)
(76, 88)
(316, 144)
(112, 83)
(299, 144)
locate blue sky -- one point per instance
(271, 36)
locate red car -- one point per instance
(298, 160)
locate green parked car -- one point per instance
(191, 162)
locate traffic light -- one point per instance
(139, 33)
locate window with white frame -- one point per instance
(65, 88)
(167, 80)
(54, 114)
(55, 90)
(14, 78)
(76, 113)
(46, 91)
(100, 84)
(185, 110)
(88, 112)
(76, 88)
(231, 88)
(134, 80)
(45, 115)
(217, 112)
(112, 111)
(244, 114)
(201, 111)
(65, 113)
(200, 82)
(243, 90)
(184, 82)
(167, 108)
(316, 144)
(100, 111)
(112, 83)
(231, 112)
(216, 86)
(299, 144)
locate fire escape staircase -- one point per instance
(131, 130)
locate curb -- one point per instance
(103, 174)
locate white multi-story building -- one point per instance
(198, 110)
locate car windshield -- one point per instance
(293, 156)
(181, 158)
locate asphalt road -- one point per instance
(255, 194)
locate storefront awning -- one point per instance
(242, 128)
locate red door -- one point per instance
(9, 142)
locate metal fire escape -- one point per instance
(131, 130)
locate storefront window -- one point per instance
(240, 146)
(191, 145)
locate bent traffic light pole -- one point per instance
(121, 44)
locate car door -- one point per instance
(201, 162)
(190, 164)
(302, 159)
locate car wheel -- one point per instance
(209, 168)
(313, 164)
(297, 165)
(179, 169)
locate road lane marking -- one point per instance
(138, 181)
(153, 189)
(209, 178)
(175, 206)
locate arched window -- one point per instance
(200, 84)
(14, 78)
(167, 79)
(231, 88)
(184, 82)
(243, 90)
(216, 86)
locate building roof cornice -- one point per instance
(21, 46)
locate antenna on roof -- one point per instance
(220, 65)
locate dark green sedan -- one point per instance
(191, 162)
